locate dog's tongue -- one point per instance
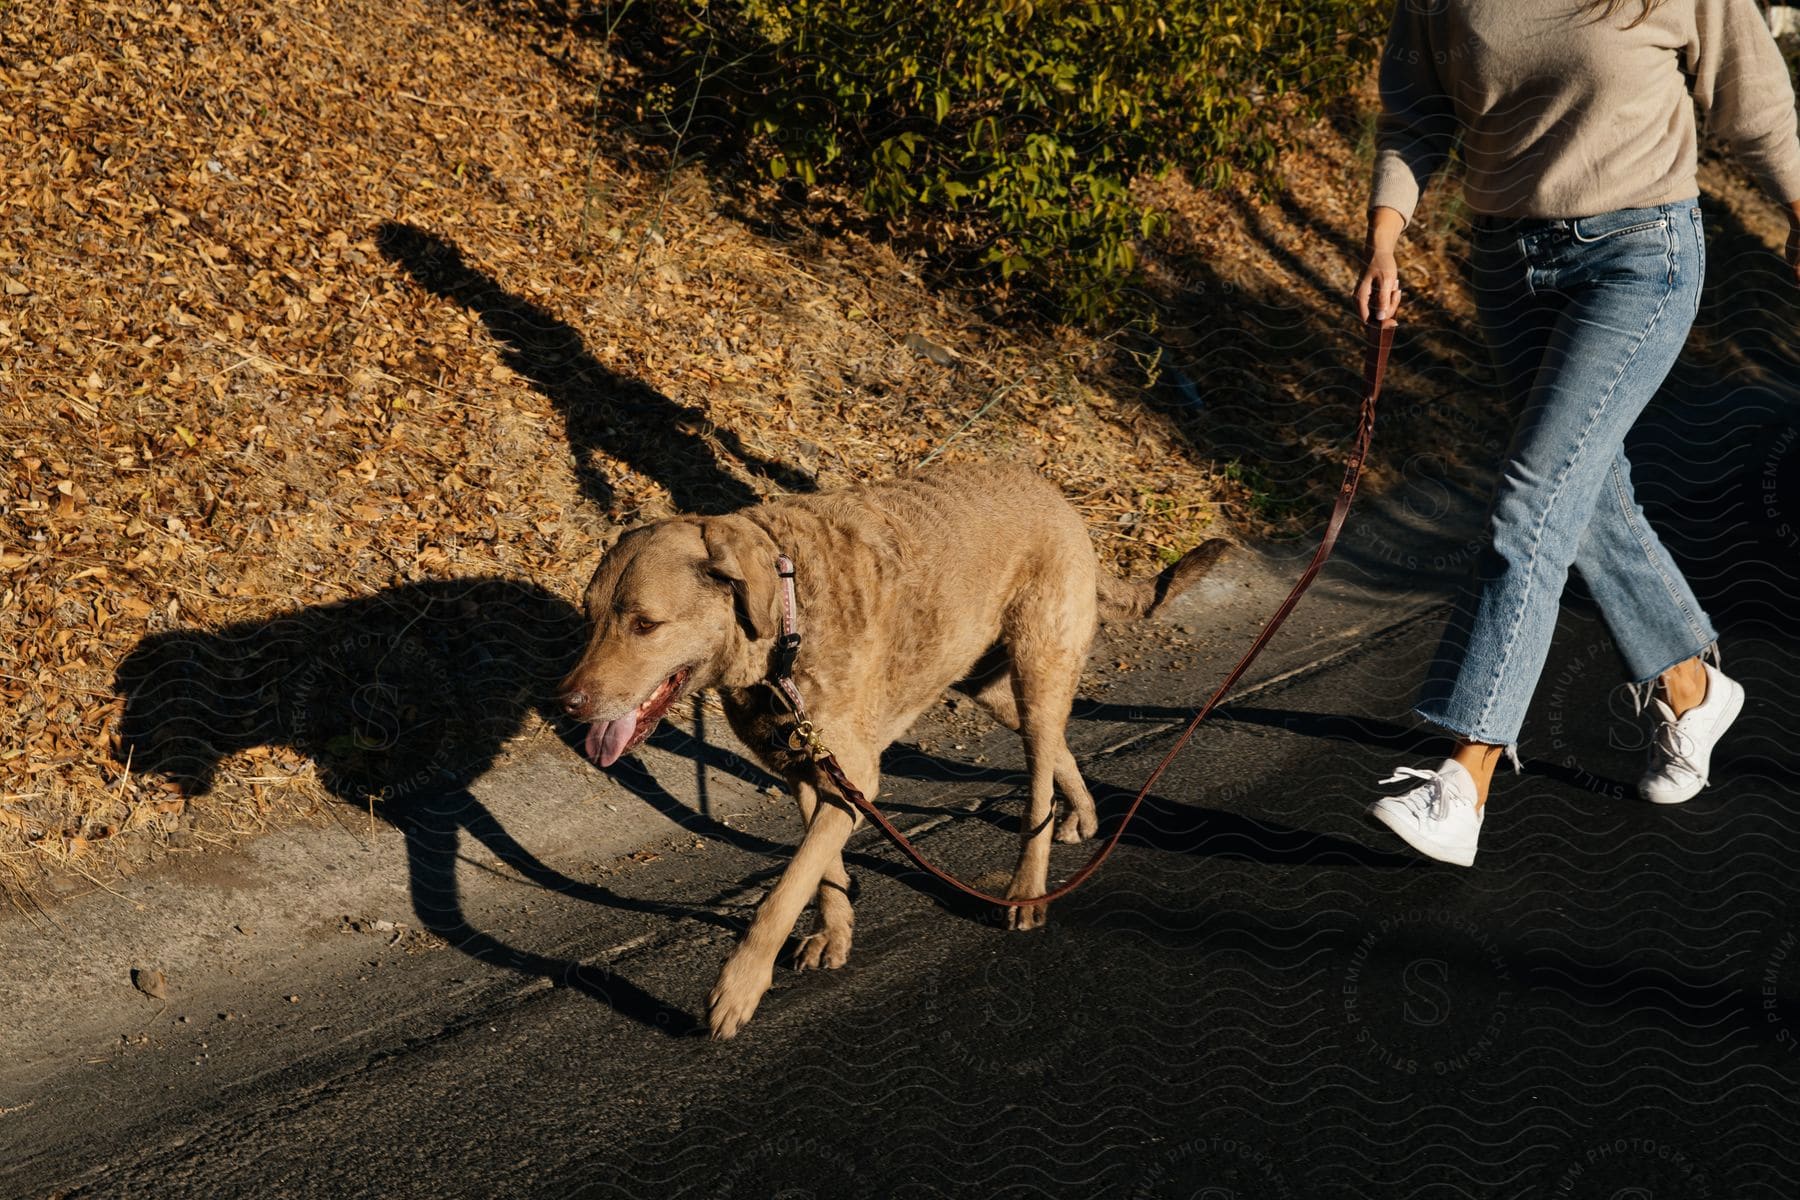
(606, 740)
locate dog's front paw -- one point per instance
(1027, 916)
(735, 997)
(827, 948)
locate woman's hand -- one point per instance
(1378, 291)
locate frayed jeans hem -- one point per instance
(1708, 650)
(1642, 689)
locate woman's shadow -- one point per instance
(603, 411)
(401, 700)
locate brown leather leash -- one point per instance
(805, 737)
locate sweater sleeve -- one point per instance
(1417, 127)
(1742, 85)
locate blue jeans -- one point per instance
(1584, 318)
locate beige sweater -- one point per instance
(1565, 114)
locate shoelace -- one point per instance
(1672, 748)
(1433, 796)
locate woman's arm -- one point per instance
(1417, 127)
(1742, 84)
(1413, 139)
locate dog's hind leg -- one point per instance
(1081, 822)
(750, 970)
(828, 945)
(993, 690)
(1044, 680)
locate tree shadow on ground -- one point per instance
(636, 778)
(1176, 827)
(602, 411)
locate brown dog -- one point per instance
(980, 577)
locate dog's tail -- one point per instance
(1133, 599)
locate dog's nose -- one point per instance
(575, 703)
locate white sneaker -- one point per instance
(1439, 817)
(1681, 751)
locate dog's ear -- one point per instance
(604, 545)
(741, 555)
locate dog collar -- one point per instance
(787, 646)
(787, 650)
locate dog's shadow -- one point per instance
(401, 700)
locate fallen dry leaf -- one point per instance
(150, 981)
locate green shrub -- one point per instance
(1009, 131)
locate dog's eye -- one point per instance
(644, 625)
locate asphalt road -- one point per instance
(1260, 997)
